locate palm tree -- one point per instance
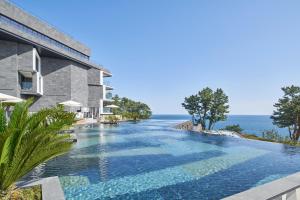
(28, 140)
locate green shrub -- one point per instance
(131, 110)
(271, 135)
(234, 128)
(112, 119)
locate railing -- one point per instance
(108, 95)
(107, 110)
(26, 85)
(27, 30)
(107, 83)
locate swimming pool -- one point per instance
(151, 160)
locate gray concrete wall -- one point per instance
(9, 68)
(95, 93)
(15, 57)
(95, 90)
(79, 84)
(25, 57)
(94, 76)
(63, 80)
(57, 83)
(23, 17)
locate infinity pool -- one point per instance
(151, 160)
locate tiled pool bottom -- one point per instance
(150, 160)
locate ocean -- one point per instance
(251, 124)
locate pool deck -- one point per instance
(51, 188)
(287, 188)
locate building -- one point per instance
(37, 60)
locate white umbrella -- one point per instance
(13, 101)
(111, 106)
(5, 97)
(71, 103)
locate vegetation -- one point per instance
(130, 109)
(28, 140)
(207, 106)
(272, 136)
(287, 113)
(112, 119)
(32, 193)
(235, 128)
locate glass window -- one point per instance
(25, 82)
(37, 64)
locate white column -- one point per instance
(101, 77)
(101, 106)
(104, 92)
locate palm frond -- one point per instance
(31, 139)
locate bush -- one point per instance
(112, 119)
(273, 135)
(234, 128)
(131, 110)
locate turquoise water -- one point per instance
(152, 160)
(251, 124)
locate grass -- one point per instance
(28, 193)
(254, 137)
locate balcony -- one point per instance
(109, 96)
(107, 111)
(107, 85)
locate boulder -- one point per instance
(188, 125)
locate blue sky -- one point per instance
(163, 50)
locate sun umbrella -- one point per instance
(5, 97)
(13, 101)
(71, 103)
(111, 106)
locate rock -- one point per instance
(188, 126)
(222, 132)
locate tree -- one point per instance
(28, 140)
(287, 111)
(235, 128)
(207, 106)
(219, 108)
(131, 109)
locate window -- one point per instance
(25, 82)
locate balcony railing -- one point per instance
(107, 83)
(108, 96)
(26, 85)
(107, 110)
(40, 36)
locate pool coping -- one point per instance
(287, 186)
(51, 187)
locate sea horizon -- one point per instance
(251, 124)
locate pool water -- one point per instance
(152, 160)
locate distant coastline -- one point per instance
(252, 124)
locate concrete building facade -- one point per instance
(39, 61)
